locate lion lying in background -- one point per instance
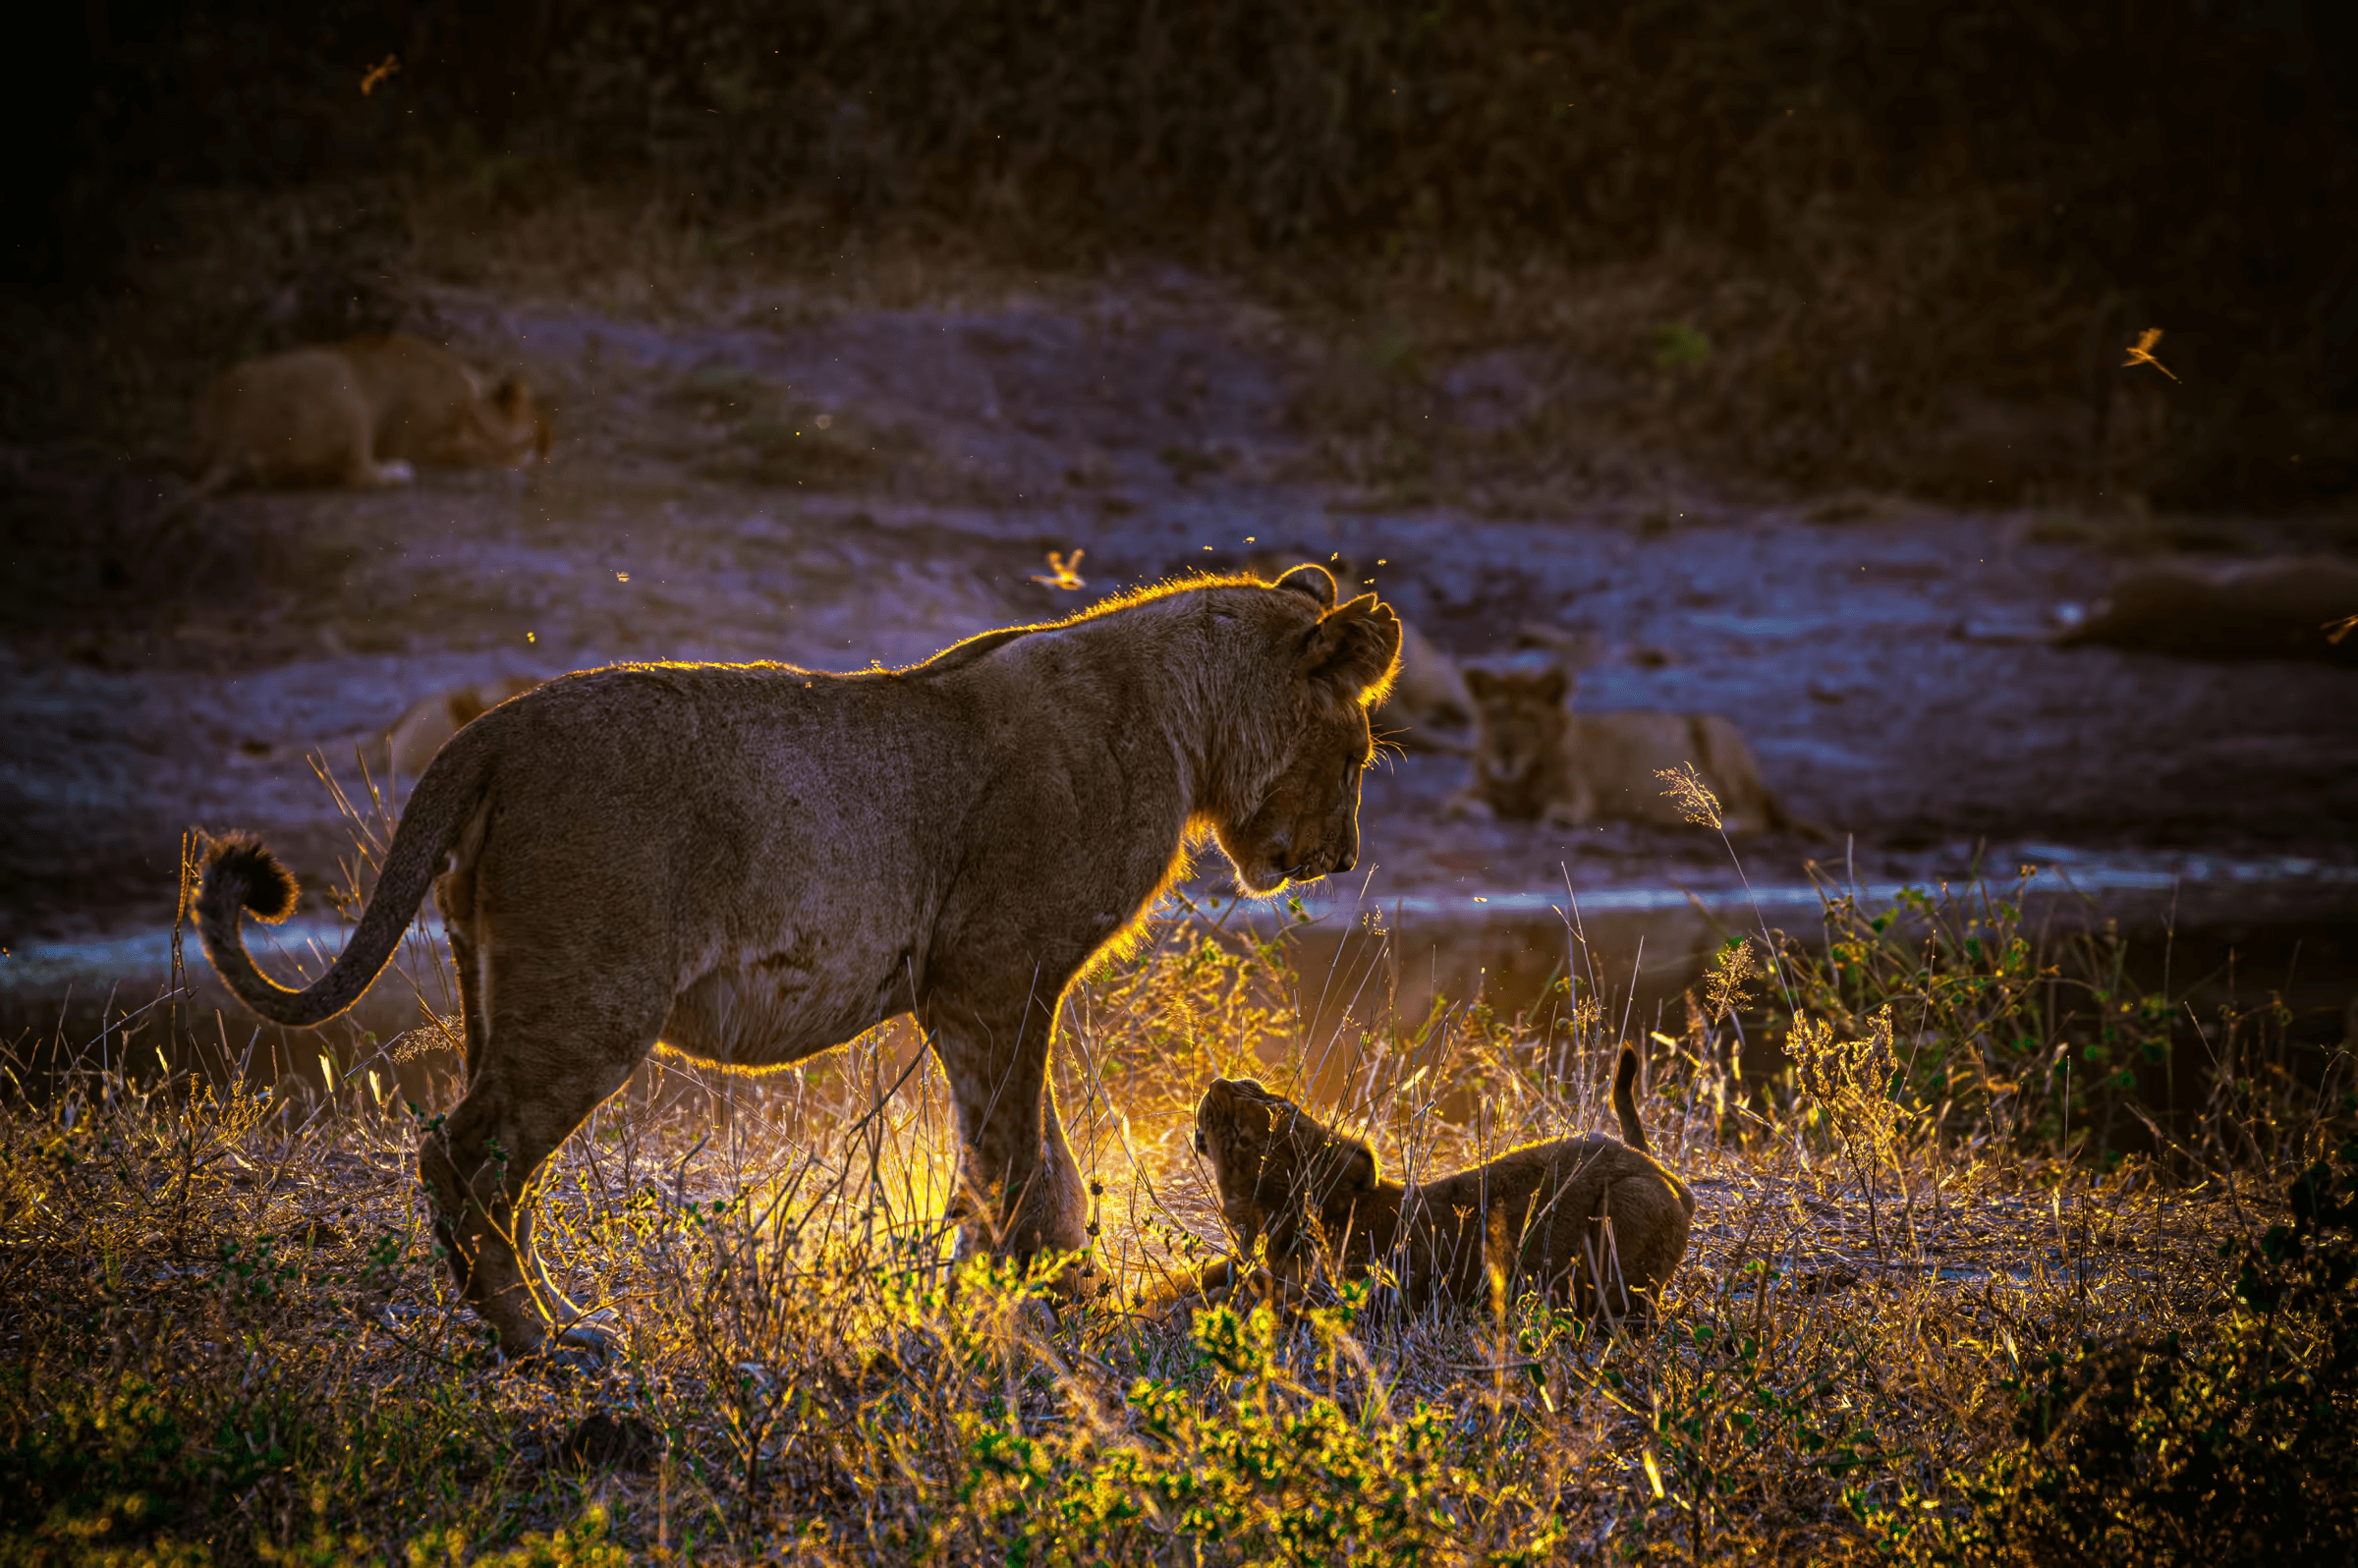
(1427, 701)
(1536, 759)
(360, 413)
(1591, 1221)
(421, 731)
(2282, 607)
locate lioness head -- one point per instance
(1305, 822)
(1274, 1164)
(514, 424)
(1519, 717)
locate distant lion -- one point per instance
(1588, 1221)
(750, 863)
(2284, 607)
(1537, 760)
(1428, 699)
(427, 724)
(360, 413)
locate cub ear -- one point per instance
(1354, 647)
(1311, 578)
(1481, 683)
(510, 395)
(1551, 687)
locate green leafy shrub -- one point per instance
(1251, 1461)
(2242, 1448)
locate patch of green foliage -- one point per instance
(2240, 1446)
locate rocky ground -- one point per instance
(764, 478)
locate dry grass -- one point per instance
(229, 1337)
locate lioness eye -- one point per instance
(1201, 1147)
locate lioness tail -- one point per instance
(1625, 1104)
(241, 877)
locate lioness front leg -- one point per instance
(1019, 1188)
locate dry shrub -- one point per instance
(234, 1340)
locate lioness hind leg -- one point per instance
(529, 1085)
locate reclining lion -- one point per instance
(1536, 759)
(1588, 1221)
(360, 413)
(427, 724)
(750, 863)
(2280, 607)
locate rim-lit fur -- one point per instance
(755, 863)
(1594, 1222)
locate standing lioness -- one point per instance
(754, 862)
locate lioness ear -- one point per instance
(1480, 682)
(1311, 578)
(1552, 686)
(510, 394)
(1354, 647)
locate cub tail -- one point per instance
(1625, 1104)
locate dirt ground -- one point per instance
(769, 479)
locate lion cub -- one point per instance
(360, 413)
(1534, 759)
(1592, 1221)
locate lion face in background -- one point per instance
(514, 428)
(1274, 1164)
(1305, 824)
(1520, 721)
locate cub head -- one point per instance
(1274, 1164)
(1336, 662)
(1519, 720)
(515, 424)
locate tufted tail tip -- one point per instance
(239, 872)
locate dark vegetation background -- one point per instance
(1893, 216)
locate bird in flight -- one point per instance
(1066, 574)
(2142, 353)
